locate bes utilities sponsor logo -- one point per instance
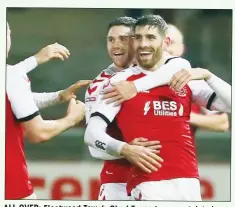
(163, 108)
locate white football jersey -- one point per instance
(95, 88)
(19, 93)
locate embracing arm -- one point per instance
(222, 89)
(212, 122)
(101, 155)
(96, 137)
(44, 100)
(162, 76)
(204, 96)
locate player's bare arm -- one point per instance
(144, 158)
(53, 51)
(46, 54)
(120, 92)
(38, 130)
(211, 122)
(141, 141)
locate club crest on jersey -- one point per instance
(182, 92)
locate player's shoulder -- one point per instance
(177, 60)
(123, 75)
(16, 76)
(13, 73)
(107, 72)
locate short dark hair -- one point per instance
(123, 21)
(152, 20)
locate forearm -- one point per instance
(215, 122)
(222, 89)
(40, 130)
(162, 76)
(44, 100)
(204, 96)
(96, 137)
(220, 105)
(102, 155)
(28, 64)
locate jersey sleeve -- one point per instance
(44, 100)
(163, 75)
(20, 95)
(101, 154)
(203, 95)
(222, 89)
(27, 65)
(108, 111)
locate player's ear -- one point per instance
(166, 42)
(182, 49)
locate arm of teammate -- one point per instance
(125, 90)
(44, 100)
(96, 137)
(203, 95)
(155, 145)
(219, 86)
(27, 65)
(95, 134)
(102, 155)
(26, 111)
(162, 76)
(53, 51)
(38, 130)
(212, 122)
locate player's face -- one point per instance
(149, 46)
(8, 39)
(120, 46)
(176, 46)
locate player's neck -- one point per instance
(122, 68)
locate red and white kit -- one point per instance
(20, 107)
(158, 114)
(115, 170)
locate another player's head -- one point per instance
(120, 41)
(150, 40)
(176, 46)
(8, 39)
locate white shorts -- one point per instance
(30, 197)
(113, 191)
(180, 189)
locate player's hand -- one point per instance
(181, 78)
(142, 157)
(75, 111)
(69, 93)
(120, 92)
(53, 51)
(154, 145)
